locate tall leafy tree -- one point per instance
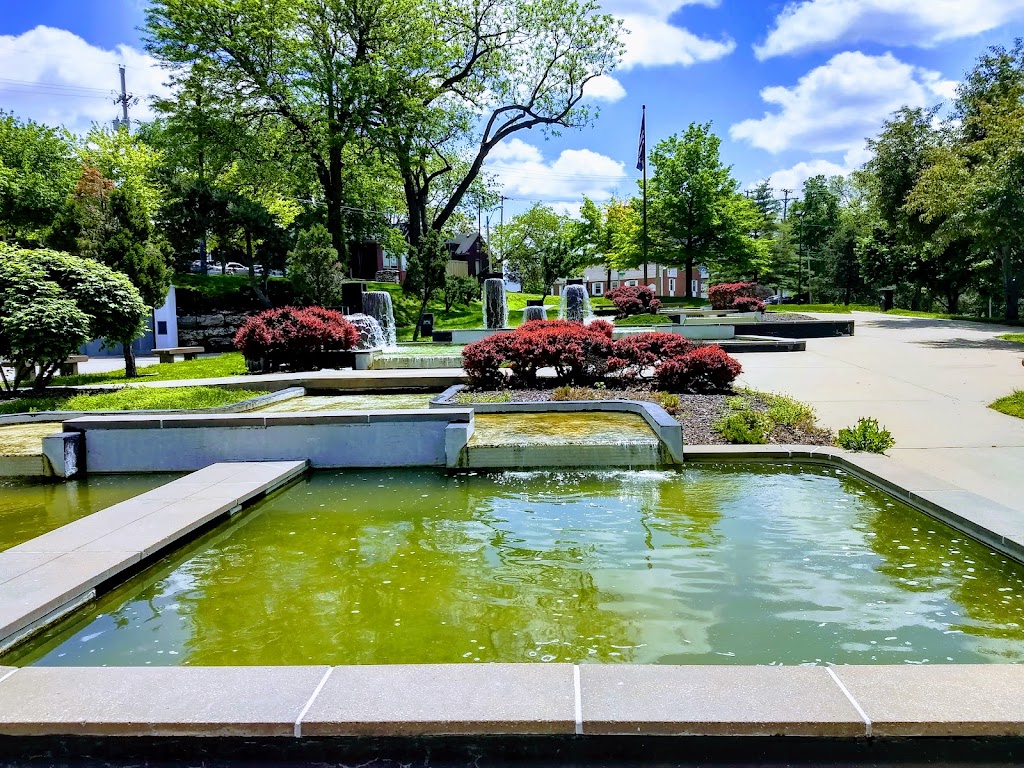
(697, 214)
(542, 246)
(38, 170)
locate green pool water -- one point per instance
(708, 564)
(30, 507)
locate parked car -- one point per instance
(234, 268)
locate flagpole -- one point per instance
(643, 123)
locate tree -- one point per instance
(425, 272)
(314, 269)
(542, 246)
(52, 302)
(37, 173)
(109, 224)
(696, 213)
(817, 220)
(459, 290)
(974, 183)
(481, 72)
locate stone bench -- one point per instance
(67, 368)
(168, 354)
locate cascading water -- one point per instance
(371, 335)
(377, 304)
(534, 313)
(495, 306)
(575, 304)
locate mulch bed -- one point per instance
(697, 413)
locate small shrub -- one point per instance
(744, 427)
(866, 436)
(459, 290)
(632, 355)
(313, 267)
(633, 300)
(468, 398)
(293, 338)
(789, 412)
(704, 370)
(574, 393)
(723, 295)
(669, 402)
(747, 304)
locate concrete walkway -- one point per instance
(928, 382)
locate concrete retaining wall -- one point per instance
(700, 330)
(412, 438)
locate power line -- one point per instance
(62, 86)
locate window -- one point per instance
(672, 286)
(597, 289)
(631, 283)
(615, 283)
(673, 272)
(694, 284)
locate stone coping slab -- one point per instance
(45, 577)
(267, 420)
(846, 702)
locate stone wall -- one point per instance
(213, 331)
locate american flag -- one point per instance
(641, 155)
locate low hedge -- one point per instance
(586, 354)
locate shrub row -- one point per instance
(633, 300)
(586, 354)
(294, 338)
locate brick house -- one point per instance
(470, 256)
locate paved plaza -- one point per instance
(928, 382)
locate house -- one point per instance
(372, 262)
(665, 281)
(469, 256)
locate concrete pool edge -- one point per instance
(449, 700)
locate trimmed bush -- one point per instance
(578, 353)
(634, 300)
(744, 427)
(298, 339)
(747, 304)
(723, 295)
(705, 370)
(631, 355)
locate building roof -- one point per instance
(460, 244)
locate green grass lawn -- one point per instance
(1016, 338)
(132, 399)
(639, 320)
(1011, 405)
(228, 364)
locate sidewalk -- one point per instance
(928, 382)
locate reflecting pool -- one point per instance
(708, 564)
(30, 507)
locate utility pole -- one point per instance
(785, 202)
(126, 100)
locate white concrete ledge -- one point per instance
(44, 578)
(327, 439)
(530, 699)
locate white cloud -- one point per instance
(793, 178)
(833, 107)
(815, 23)
(654, 41)
(604, 88)
(55, 77)
(521, 170)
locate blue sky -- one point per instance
(792, 88)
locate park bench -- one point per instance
(168, 354)
(67, 368)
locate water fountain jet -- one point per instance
(495, 306)
(377, 304)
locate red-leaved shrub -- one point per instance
(704, 370)
(633, 354)
(578, 353)
(747, 304)
(633, 300)
(723, 295)
(294, 338)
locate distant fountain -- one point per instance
(495, 306)
(534, 313)
(377, 304)
(575, 304)
(371, 335)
